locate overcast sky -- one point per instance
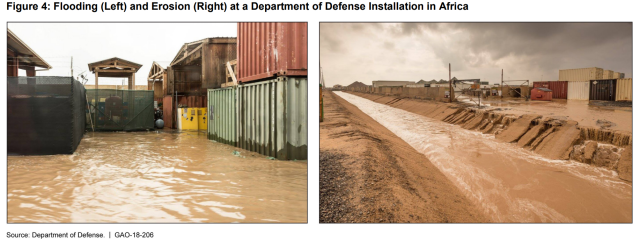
(413, 51)
(140, 43)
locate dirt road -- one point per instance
(368, 174)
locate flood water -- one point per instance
(578, 110)
(155, 177)
(508, 183)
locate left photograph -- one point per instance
(157, 122)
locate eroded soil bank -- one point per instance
(506, 182)
(368, 174)
(550, 137)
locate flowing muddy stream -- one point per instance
(155, 177)
(508, 183)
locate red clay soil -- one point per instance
(369, 175)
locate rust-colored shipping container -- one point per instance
(559, 89)
(602, 90)
(541, 84)
(540, 93)
(266, 50)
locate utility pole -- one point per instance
(450, 86)
(72, 67)
(501, 81)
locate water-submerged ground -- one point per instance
(155, 177)
(508, 183)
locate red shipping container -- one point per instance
(541, 94)
(266, 50)
(541, 84)
(559, 89)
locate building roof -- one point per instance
(114, 67)
(357, 84)
(192, 51)
(156, 71)
(24, 52)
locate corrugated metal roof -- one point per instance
(16, 44)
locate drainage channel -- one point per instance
(508, 183)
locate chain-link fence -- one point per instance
(119, 110)
(45, 115)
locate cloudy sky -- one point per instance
(413, 51)
(141, 43)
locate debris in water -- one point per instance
(604, 124)
(237, 153)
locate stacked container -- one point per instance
(268, 50)
(584, 74)
(267, 111)
(624, 90)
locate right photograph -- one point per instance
(476, 122)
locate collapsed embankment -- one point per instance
(368, 174)
(551, 138)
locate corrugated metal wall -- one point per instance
(603, 90)
(541, 84)
(269, 49)
(624, 90)
(578, 90)
(272, 117)
(222, 126)
(584, 74)
(559, 89)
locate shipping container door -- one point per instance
(578, 90)
(559, 89)
(603, 90)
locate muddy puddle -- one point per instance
(508, 183)
(619, 118)
(155, 177)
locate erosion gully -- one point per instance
(508, 183)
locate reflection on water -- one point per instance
(508, 183)
(155, 177)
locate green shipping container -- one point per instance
(268, 117)
(221, 105)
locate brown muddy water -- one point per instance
(619, 118)
(155, 177)
(508, 183)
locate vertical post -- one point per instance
(71, 67)
(450, 86)
(95, 100)
(501, 81)
(31, 71)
